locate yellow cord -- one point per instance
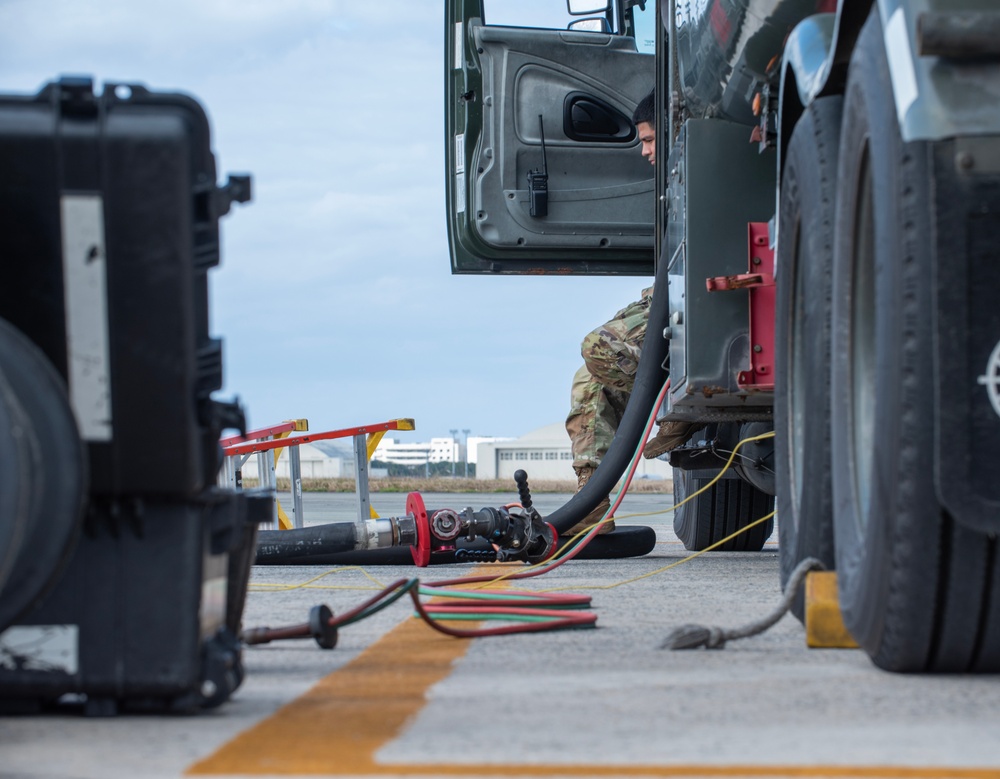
(674, 564)
(729, 462)
(306, 585)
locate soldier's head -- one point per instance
(644, 119)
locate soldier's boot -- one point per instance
(671, 434)
(583, 474)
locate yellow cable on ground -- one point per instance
(674, 564)
(276, 587)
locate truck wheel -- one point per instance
(730, 504)
(916, 589)
(802, 338)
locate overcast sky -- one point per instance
(334, 300)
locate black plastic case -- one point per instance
(109, 213)
(146, 617)
(124, 180)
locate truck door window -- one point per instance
(540, 14)
(644, 19)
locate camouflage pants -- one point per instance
(602, 386)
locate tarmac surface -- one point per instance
(394, 698)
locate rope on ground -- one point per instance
(694, 636)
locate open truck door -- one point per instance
(545, 175)
(544, 169)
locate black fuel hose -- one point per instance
(650, 376)
(282, 547)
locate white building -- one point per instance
(438, 450)
(545, 454)
(473, 442)
(314, 464)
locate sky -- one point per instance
(334, 299)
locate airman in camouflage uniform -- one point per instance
(601, 388)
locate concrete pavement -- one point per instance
(396, 699)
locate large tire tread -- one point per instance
(802, 393)
(729, 505)
(918, 591)
(960, 636)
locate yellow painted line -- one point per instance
(337, 727)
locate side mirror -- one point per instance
(594, 24)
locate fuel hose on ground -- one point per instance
(508, 533)
(649, 379)
(281, 547)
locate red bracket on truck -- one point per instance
(759, 283)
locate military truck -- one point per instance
(822, 223)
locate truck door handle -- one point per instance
(588, 118)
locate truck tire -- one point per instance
(730, 504)
(918, 592)
(802, 340)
